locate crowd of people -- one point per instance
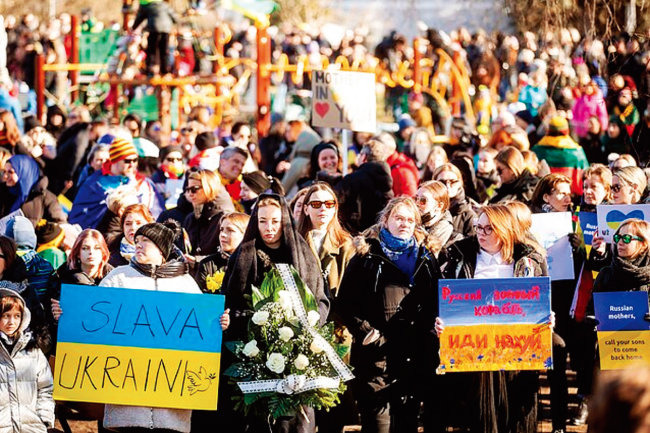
(562, 125)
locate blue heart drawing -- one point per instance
(616, 217)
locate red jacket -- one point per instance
(404, 173)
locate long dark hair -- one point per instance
(338, 233)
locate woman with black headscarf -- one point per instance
(270, 238)
(325, 164)
(255, 183)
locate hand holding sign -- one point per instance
(610, 217)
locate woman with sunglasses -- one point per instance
(209, 201)
(462, 214)
(388, 298)
(171, 167)
(432, 199)
(498, 250)
(517, 182)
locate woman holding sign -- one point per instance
(387, 300)
(498, 250)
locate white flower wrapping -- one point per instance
(260, 318)
(275, 363)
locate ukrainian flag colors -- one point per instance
(138, 347)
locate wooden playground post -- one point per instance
(40, 87)
(263, 81)
(456, 94)
(218, 52)
(417, 71)
(74, 58)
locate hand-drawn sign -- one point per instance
(138, 347)
(495, 324)
(344, 99)
(623, 332)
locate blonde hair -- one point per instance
(240, 220)
(523, 221)
(531, 161)
(603, 174)
(210, 183)
(393, 204)
(512, 158)
(504, 226)
(633, 175)
(439, 192)
(639, 228)
(448, 166)
(120, 198)
(268, 201)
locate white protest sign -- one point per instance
(611, 216)
(344, 99)
(551, 231)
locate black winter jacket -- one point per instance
(520, 189)
(40, 203)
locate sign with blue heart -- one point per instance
(610, 217)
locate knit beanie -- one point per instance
(169, 149)
(121, 149)
(163, 235)
(205, 140)
(47, 231)
(21, 230)
(257, 181)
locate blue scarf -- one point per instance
(402, 252)
(28, 173)
(127, 250)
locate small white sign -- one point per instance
(344, 99)
(611, 216)
(551, 231)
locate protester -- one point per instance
(461, 211)
(517, 182)
(255, 183)
(87, 263)
(122, 247)
(432, 199)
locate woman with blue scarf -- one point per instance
(388, 300)
(25, 190)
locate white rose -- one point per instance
(250, 349)
(301, 362)
(316, 346)
(275, 363)
(284, 299)
(313, 318)
(285, 333)
(260, 318)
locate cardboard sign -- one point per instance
(344, 99)
(623, 334)
(611, 216)
(495, 324)
(551, 231)
(138, 347)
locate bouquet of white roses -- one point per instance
(288, 360)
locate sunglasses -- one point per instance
(422, 201)
(192, 189)
(617, 188)
(131, 161)
(626, 238)
(329, 204)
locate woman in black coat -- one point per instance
(493, 402)
(517, 183)
(269, 239)
(462, 214)
(388, 299)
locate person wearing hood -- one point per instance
(26, 190)
(255, 183)
(209, 200)
(616, 139)
(168, 178)
(89, 205)
(517, 182)
(304, 139)
(388, 301)
(432, 199)
(325, 164)
(562, 154)
(462, 214)
(26, 382)
(270, 238)
(365, 192)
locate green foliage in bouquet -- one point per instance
(282, 352)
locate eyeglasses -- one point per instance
(421, 200)
(626, 238)
(131, 161)
(192, 189)
(486, 230)
(449, 182)
(173, 159)
(316, 204)
(617, 187)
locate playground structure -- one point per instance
(221, 88)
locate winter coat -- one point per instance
(159, 15)
(217, 262)
(204, 230)
(442, 230)
(300, 155)
(40, 203)
(490, 395)
(404, 173)
(363, 194)
(172, 276)
(71, 155)
(25, 383)
(521, 189)
(462, 215)
(585, 107)
(65, 275)
(376, 295)
(564, 156)
(333, 260)
(624, 275)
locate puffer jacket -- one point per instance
(25, 383)
(40, 204)
(169, 277)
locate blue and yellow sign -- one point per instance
(495, 324)
(138, 347)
